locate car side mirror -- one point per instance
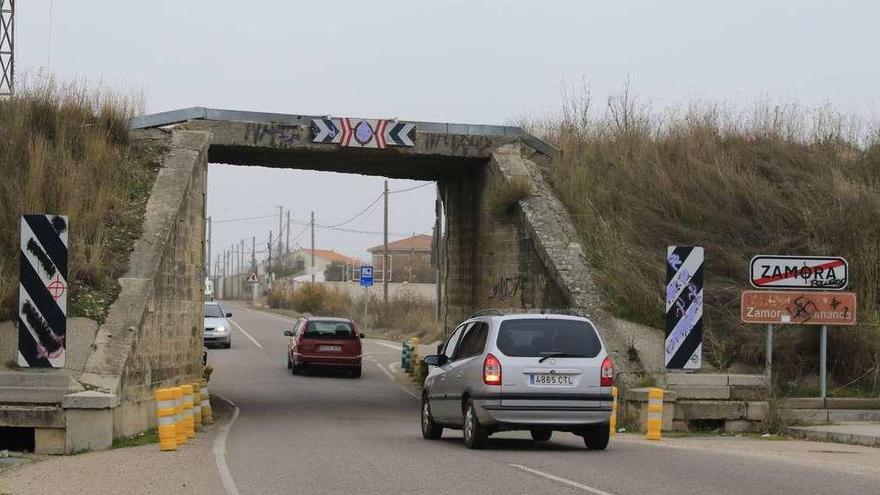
(288, 333)
(435, 360)
(361, 335)
(229, 315)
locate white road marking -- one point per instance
(391, 377)
(273, 315)
(220, 451)
(573, 484)
(396, 347)
(247, 334)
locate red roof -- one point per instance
(418, 243)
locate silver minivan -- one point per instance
(535, 372)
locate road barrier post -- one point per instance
(197, 406)
(207, 413)
(404, 357)
(413, 356)
(188, 422)
(612, 423)
(655, 413)
(166, 411)
(179, 424)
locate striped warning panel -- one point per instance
(42, 295)
(684, 307)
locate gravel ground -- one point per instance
(130, 471)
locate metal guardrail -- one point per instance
(202, 113)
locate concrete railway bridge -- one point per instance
(529, 258)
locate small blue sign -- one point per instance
(367, 276)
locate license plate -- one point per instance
(330, 348)
(551, 379)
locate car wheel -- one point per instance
(228, 345)
(430, 429)
(355, 373)
(475, 434)
(295, 369)
(541, 435)
(289, 364)
(596, 436)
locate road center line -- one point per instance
(247, 334)
(220, 450)
(573, 484)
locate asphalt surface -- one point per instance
(324, 433)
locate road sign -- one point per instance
(684, 307)
(799, 272)
(42, 299)
(363, 133)
(798, 308)
(367, 276)
(253, 279)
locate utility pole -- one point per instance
(225, 263)
(287, 243)
(241, 282)
(280, 230)
(254, 254)
(313, 247)
(385, 271)
(269, 265)
(209, 247)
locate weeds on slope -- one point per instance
(775, 180)
(66, 149)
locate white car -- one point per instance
(217, 328)
(535, 372)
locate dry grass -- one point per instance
(775, 180)
(407, 316)
(65, 149)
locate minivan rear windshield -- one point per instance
(540, 337)
(329, 330)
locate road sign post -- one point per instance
(366, 282)
(812, 299)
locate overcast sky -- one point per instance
(459, 61)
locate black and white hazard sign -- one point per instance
(42, 297)
(684, 307)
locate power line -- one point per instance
(248, 219)
(410, 188)
(369, 206)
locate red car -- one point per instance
(324, 342)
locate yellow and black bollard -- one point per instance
(166, 411)
(655, 413)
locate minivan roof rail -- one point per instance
(542, 311)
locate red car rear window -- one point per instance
(329, 330)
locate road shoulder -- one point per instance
(132, 470)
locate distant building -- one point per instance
(301, 260)
(409, 260)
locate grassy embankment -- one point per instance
(776, 180)
(406, 317)
(66, 149)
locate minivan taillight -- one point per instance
(607, 376)
(492, 370)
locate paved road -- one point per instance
(332, 434)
